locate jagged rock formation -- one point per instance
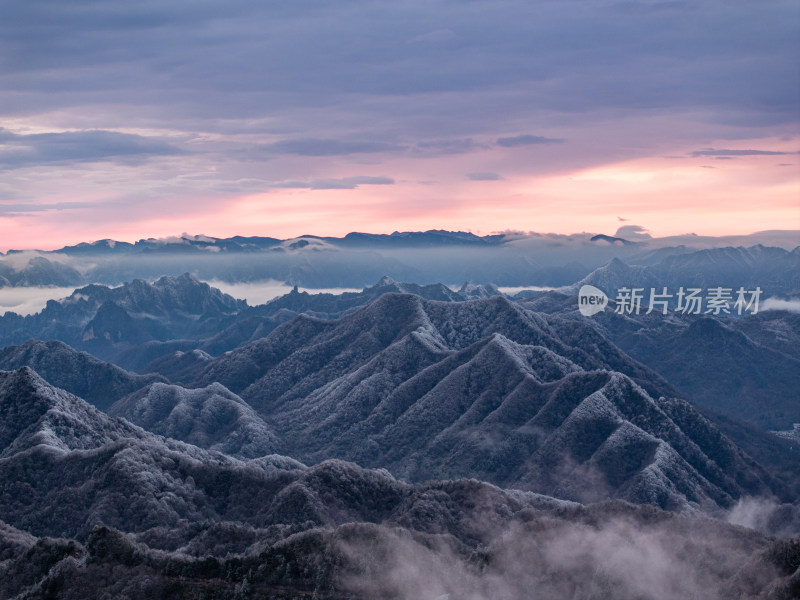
(106, 321)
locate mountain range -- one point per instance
(487, 389)
(177, 325)
(95, 504)
(356, 260)
(106, 321)
(774, 270)
(747, 368)
(437, 390)
(140, 322)
(407, 441)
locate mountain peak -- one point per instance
(36, 413)
(385, 280)
(615, 264)
(79, 373)
(22, 377)
(212, 417)
(182, 279)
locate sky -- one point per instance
(129, 120)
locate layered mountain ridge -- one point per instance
(57, 451)
(747, 368)
(94, 503)
(439, 390)
(445, 390)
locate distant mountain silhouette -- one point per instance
(774, 270)
(106, 321)
(40, 271)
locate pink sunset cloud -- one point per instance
(747, 192)
(523, 116)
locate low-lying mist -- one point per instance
(30, 300)
(553, 558)
(261, 292)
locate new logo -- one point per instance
(591, 300)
